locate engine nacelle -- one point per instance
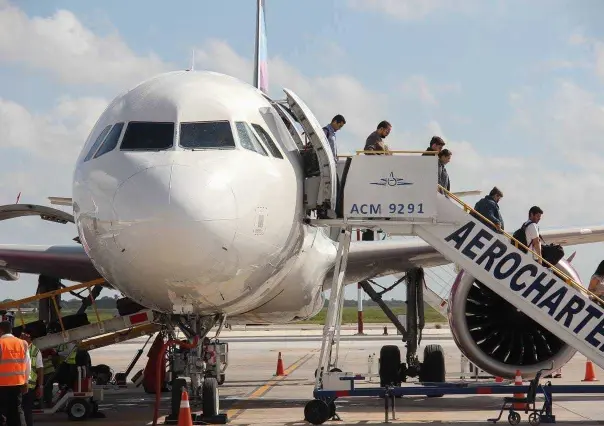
(497, 337)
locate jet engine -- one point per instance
(497, 337)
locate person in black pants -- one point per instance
(14, 375)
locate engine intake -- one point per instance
(497, 337)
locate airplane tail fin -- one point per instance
(261, 57)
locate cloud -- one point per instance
(72, 52)
(595, 47)
(58, 134)
(406, 10)
(326, 95)
(417, 87)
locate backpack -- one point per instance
(520, 235)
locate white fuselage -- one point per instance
(206, 230)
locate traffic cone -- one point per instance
(280, 369)
(498, 379)
(518, 382)
(590, 374)
(184, 416)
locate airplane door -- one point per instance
(327, 189)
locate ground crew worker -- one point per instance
(67, 373)
(15, 367)
(36, 379)
(48, 356)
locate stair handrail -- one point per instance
(567, 279)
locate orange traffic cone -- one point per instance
(518, 382)
(280, 369)
(184, 416)
(590, 374)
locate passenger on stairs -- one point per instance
(330, 133)
(436, 145)
(531, 230)
(489, 208)
(444, 156)
(375, 141)
(596, 284)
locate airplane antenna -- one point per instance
(192, 67)
(260, 55)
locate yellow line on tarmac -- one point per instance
(235, 412)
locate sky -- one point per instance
(515, 88)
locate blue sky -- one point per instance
(516, 88)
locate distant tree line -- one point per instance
(105, 302)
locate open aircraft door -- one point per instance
(321, 190)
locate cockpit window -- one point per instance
(207, 135)
(268, 141)
(148, 136)
(97, 143)
(248, 140)
(111, 140)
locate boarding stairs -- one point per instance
(551, 299)
(90, 336)
(555, 302)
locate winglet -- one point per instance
(260, 56)
(571, 257)
(61, 201)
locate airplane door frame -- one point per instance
(328, 187)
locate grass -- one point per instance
(373, 314)
(104, 314)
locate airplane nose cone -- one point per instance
(170, 192)
(174, 221)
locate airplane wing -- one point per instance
(68, 262)
(374, 259)
(65, 262)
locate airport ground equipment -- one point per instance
(88, 336)
(401, 196)
(80, 403)
(536, 415)
(341, 385)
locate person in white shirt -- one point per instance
(531, 231)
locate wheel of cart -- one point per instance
(534, 419)
(317, 411)
(514, 418)
(79, 409)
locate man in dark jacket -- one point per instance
(489, 208)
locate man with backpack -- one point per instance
(528, 234)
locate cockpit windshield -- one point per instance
(148, 136)
(207, 135)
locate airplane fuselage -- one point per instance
(200, 229)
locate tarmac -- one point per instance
(253, 395)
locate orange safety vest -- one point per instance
(12, 361)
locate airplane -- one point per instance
(192, 195)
